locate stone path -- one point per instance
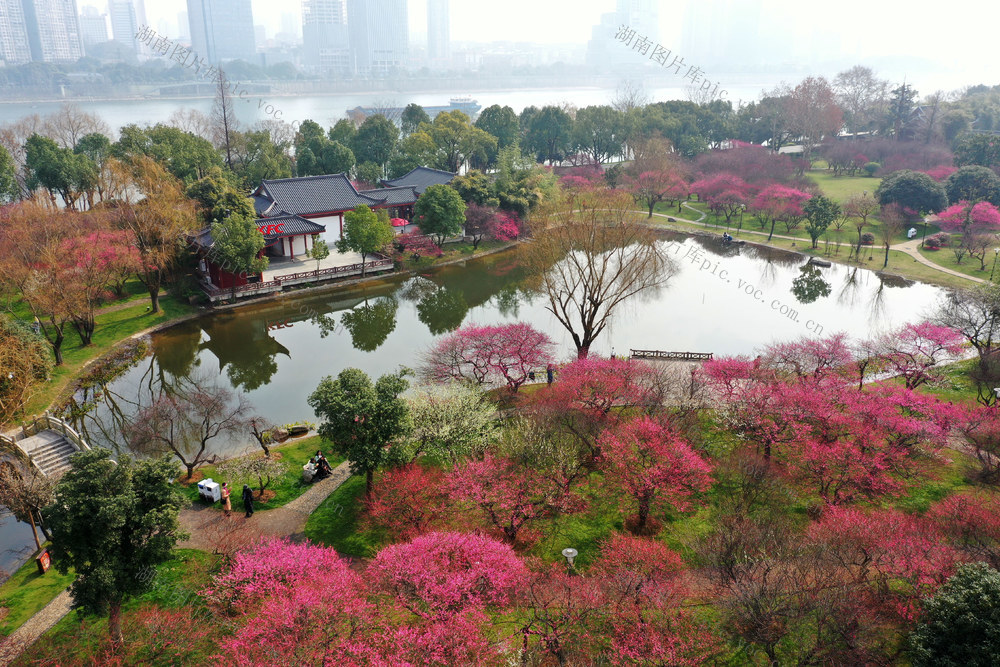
(209, 528)
(34, 627)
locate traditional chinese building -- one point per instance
(420, 179)
(286, 237)
(325, 199)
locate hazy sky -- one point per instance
(950, 36)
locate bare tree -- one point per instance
(224, 117)
(860, 207)
(861, 95)
(70, 124)
(262, 430)
(591, 255)
(25, 490)
(389, 108)
(183, 424)
(629, 95)
(191, 120)
(893, 221)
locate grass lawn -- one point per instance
(335, 523)
(969, 266)
(286, 489)
(451, 251)
(111, 328)
(152, 623)
(26, 592)
(842, 188)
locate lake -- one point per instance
(724, 300)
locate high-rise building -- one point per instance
(222, 30)
(325, 39)
(439, 33)
(124, 23)
(93, 26)
(380, 36)
(183, 27)
(603, 51)
(53, 30)
(14, 49)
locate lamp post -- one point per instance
(570, 554)
(996, 252)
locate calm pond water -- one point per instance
(726, 300)
(721, 300)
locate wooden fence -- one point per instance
(294, 278)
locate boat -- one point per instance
(466, 105)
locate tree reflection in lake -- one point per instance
(371, 323)
(443, 310)
(810, 285)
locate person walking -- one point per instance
(549, 372)
(227, 504)
(248, 500)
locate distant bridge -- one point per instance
(660, 355)
(46, 442)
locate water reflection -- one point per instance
(276, 352)
(810, 285)
(371, 323)
(245, 349)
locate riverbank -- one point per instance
(903, 261)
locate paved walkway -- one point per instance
(908, 247)
(911, 248)
(210, 529)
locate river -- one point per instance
(724, 300)
(327, 109)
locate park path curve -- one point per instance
(206, 525)
(910, 248)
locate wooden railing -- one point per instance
(276, 284)
(671, 356)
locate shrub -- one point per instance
(867, 238)
(935, 241)
(871, 168)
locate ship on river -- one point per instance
(466, 105)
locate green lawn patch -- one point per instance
(111, 328)
(842, 188)
(969, 266)
(286, 489)
(83, 638)
(335, 523)
(27, 592)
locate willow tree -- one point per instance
(590, 254)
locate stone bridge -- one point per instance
(46, 443)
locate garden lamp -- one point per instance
(570, 553)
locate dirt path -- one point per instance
(208, 526)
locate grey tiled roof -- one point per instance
(261, 204)
(421, 178)
(397, 196)
(291, 225)
(311, 195)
